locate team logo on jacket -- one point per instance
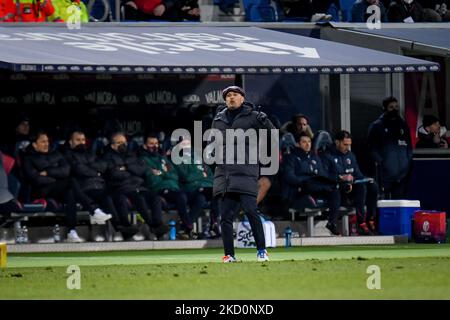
(349, 162)
(27, 9)
(336, 160)
(313, 162)
(426, 226)
(402, 132)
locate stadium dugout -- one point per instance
(193, 50)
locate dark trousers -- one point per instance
(396, 189)
(363, 195)
(123, 200)
(180, 200)
(328, 192)
(229, 205)
(63, 191)
(198, 200)
(100, 198)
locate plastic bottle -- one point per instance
(24, 234)
(172, 230)
(18, 234)
(56, 233)
(288, 235)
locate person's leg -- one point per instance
(139, 202)
(264, 185)
(371, 203)
(430, 15)
(180, 200)
(122, 206)
(359, 195)
(228, 206)
(155, 203)
(248, 204)
(196, 202)
(87, 203)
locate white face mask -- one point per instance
(408, 1)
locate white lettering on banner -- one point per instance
(8, 100)
(131, 99)
(214, 96)
(39, 97)
(70, 99)
(163, 43)
(304, 52)
(101, 97)
(161, 97)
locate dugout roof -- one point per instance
(188, 49)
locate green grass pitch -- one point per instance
(409, 271)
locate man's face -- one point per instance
(118, 141)
(344, 145)
(392, 106)
(78, 138)
(23, 128)
(301, 124)
(305, 144)
(234, 100)
(152, 144)
(42, 144)
(435, 127)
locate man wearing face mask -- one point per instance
(125, 179)
(389, 145)
(162, 181)
(88, 172)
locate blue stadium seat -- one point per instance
(346, 9)
(261, 11)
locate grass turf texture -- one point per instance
(410, 271)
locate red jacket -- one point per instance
(147, 6)
(26, 11)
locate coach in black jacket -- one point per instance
(342, 166)
(237, 184)
(125, 180)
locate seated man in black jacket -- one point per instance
(49, 175)
(341, 165)
(125, 179)
(88, 172)
(304, 174)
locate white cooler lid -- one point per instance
(398, 203)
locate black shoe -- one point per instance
(159, 231)
(333, 228)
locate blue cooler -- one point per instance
(395, 216)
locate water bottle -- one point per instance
(173, 230)
(288, 235)
(56, 234)
(24, 234)
(18, 233)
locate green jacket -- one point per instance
(62, 7)
(168, 177)
(192, 176)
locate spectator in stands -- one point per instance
(430, 135)
(359, 10)
(389, 145)
(298, 124)
(28, 11)
(88, 172)
(309, 10)
(125, 179)
(49, 174)
(408, 11)
(171, 10)
(162, 180)
(341, 165)
(66, 9)
(18, 138)
(305, 175)
(435, 10)
(196, 180)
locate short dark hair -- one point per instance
(36, 135)
(117, 133)
(79, 131)
(343, 134)
(303, 134)
(153, 135)
(299, 115)
(428, 120)
(388, 100)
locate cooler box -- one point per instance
(429, 226)
(395, 216)
(245, 237)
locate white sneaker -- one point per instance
(117, 237)
(99, 238)
(262, 255)
(99, 217)
(73, 237)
